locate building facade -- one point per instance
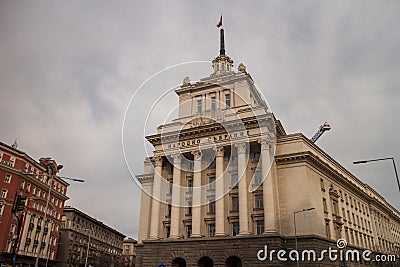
(20, 174)
(128, 252)
(85, 241)
(226, 182)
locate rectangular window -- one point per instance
(169, 210)
(335, 207)
(234, 159)
(348, 216)
(191, 166)
(167, 231)
(235, 203)
(227, 100)
(170, 188)
(235, 228)
(190, 185)
(344, 214)
(234, 179)
(1, 209)
(188, 230)
(211, 207)
(199, 104)
(7, 179)
(327, 229)
(211, 184)
(4, 193)
(257, 178)
(259, 202)
(260, 227)
(189, 208)
(213, 104)
(325, 205)
(22, 185)
(322, 184)
(211, 230)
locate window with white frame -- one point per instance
(7, 179)
(22, 185)
(4, 193)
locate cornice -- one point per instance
(209, 129)
(145, 178)
(317, 163)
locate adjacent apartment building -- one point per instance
(21, 174)
(85, 241)
(226, 185)
(128, 252)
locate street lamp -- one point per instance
(51, 175)
(295, 230)
(88, 245)
(370, 160)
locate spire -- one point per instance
(222, 43)
(222, 63)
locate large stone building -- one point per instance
(20, 174)
(226, 180)
(85, 241)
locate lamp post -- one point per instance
(87, 250)
(88, 244)
(370, 160)
(51, 175)
(295, 230)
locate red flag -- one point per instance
(220, 22)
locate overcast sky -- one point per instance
(69, 68)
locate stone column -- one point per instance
(243, 189)
(176, 197)
(219, 193)
(268, 188)
(196, 202)
(155, 203)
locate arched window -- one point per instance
(233, 261)
(178, 262)
(205, 262)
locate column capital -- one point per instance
(176, 158)
(219, 151)
(196, 154)
(157, 160)
(241, 148)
